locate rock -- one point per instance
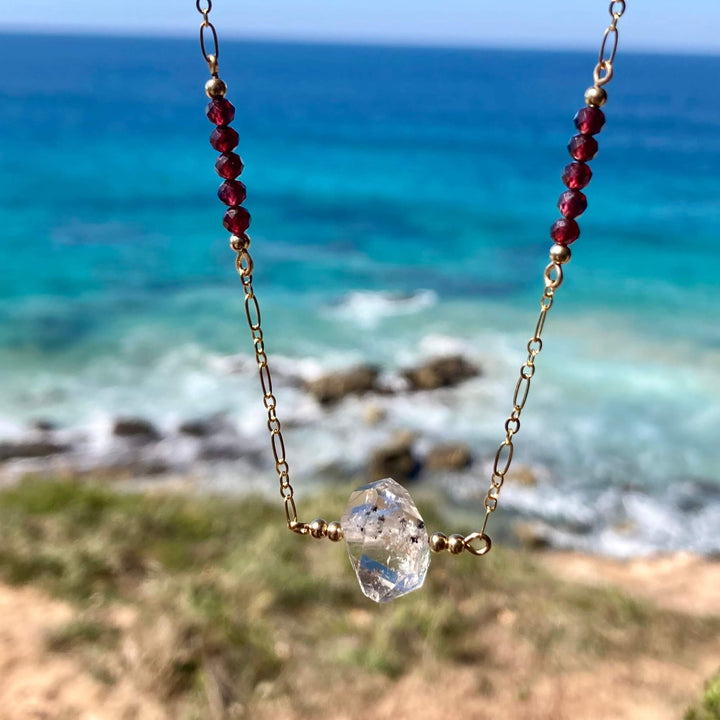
(333, 387)
(531, 535)
(394, 460)
(449, 456)
(30, 449)
(440, 372)
(136, 429)
(219, 450)
(44, 425)
(372, 414)
(203, 427)
(523, 475)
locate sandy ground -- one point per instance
(39, 685)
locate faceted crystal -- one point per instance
(576, 175)
(386, 540)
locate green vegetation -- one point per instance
(225, 603)
(708, 707)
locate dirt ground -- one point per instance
(36, 684)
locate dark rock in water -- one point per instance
(30, 449)
(136, 429)
(44, 425)
(394, 460)
(333, 387)
(204, 427)
(449, 456)
(224, 450)
(230, 449)
(531, 535)
(440, 372)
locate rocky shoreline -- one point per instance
(364, 423)
(138, 447)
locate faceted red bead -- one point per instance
(237, 220)
(564, 231)
(229, 165)
(576, 175)
(589, 120)
(224, 138)
(583, 147)
(220, 111)
(232, 192)
(572, 203)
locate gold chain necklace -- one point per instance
(388, 544)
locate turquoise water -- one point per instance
(401, 200)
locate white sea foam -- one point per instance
(367, 308)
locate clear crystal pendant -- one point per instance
(386, 540)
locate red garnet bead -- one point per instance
(232, 192)
(229, 166)
(220, 111)
(583, 147)
(590, 120)
(237, 220)
(565, 231)
(576, 175)
(224, 138)
(572, 203)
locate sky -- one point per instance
(662, 25)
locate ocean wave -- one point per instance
(368, 308)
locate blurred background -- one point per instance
(403, 163)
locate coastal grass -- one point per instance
(708, 706)
(209, 602)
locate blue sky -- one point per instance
(669, 25)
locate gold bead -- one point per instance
(560, 254)
(456, 544)
(438, 542)
(334, 531)
(215, 88)
(318, 528)
(239, 242)
(595, 96)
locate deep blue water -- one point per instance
(432, 173)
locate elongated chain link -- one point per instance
(207, 28)
(244, 267)
(603, 72)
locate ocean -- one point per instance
(401, 200)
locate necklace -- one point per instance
(387, 541)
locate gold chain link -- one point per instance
(207, 27)
(553, 277)
(244, 266)
(603, 72)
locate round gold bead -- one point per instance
(215, 88)
(438, 542)
(595, 96)
(560, 254)
(239, 242)
(334, 531)
(318, 528)
(456, 544)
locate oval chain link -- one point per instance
(603, 72)
(211, 58)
